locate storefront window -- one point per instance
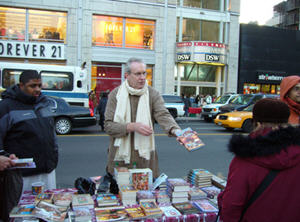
(139, 33)
(106, 76)
(110, 31)
(199, 30)
(46, 26)
(197, 72)
(12, 23)
(149, 77)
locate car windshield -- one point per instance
(242, 99)
(172, 99)
(249, 108)
(222, 99)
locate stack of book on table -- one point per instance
(200, 178)
(151, 209)
(62, 199)
(145, 195)
(196, 193)
(178, 190)
(107, 199)
(122, 175)
(82, 205)
(162, 196)
(128, 194)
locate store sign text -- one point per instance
(32, 50)
(268, 77)
(212, 57)
(184, 57)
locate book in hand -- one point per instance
(189, 139)
(23, 163)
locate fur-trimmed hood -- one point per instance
(276, 149)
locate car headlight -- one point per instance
(234, 118)
(215, 109)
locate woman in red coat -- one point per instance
(273, 145)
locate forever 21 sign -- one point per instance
(32, 50)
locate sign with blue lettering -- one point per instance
(35, 50)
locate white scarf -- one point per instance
(144, 144)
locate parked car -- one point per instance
(174, 104)
(236, 119)
(210, 111)
(69, 117)
(244, 100)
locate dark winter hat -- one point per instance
(271, 111)
(27, 75)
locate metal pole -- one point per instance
(164, 60)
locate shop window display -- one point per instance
(122, 32)
(46, 26)
(207, 4)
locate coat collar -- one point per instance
(264, 144)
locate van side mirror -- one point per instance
(79, 84)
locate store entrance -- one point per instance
(261, 88)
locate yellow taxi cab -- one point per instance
(237, 119)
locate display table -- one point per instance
(28, 198)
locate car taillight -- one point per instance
(91, 112)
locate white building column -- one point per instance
(218, 80)
(180, 70)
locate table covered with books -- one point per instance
(167, 199)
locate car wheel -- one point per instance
(63, 126)
(247, 126)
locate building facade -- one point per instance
(103, 34)
(267, 55)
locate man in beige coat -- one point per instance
(131, 111)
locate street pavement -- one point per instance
(83, 153)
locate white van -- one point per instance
(210, 111)
(67, 82)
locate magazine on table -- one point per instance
(189, 139)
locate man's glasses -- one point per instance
(139, 74)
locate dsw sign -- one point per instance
(183, 57)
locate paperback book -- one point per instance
(23, 163)
(186, 208)
(79, 200)
(170, 211)
(110, 214)
(25, 211)
(205, 206)
(189, 139)
(141, 179)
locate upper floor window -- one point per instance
(123, 32)
(207, 4)
(41, 25)
(200, 30)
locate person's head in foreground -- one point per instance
(135, 73)
(30, 83)
(270, 113)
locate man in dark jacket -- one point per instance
(27, 129)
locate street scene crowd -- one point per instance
(267, 157)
